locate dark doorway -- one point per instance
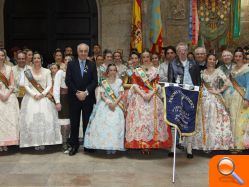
(45, 25)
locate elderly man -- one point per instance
(200, 57)
(227, 65)
(18, 71)
(81, 80)
(183, 71)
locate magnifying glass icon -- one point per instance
(226, 167)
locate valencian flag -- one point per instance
(180, 104)
(235, 22)
(156, 28)
(136, 33)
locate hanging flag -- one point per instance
(190, 34)
(236, 5)
(136, 33)
(195, 23)
(156, 28)
(180, 104)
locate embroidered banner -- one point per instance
(181, 107)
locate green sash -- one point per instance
(110, 92)
(144, 78)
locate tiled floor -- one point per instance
(53, 168)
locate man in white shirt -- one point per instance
(19, 77)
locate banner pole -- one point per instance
(174, 159)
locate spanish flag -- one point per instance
(156, 28)
(136, 33)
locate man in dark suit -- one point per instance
(81, 79)
(183, 71)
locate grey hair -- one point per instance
(201, 48)
(180, 45)
(83, 44)
(226, 51)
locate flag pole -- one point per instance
(174, 159)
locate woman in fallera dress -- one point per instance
(58, 57)
(117, 59)
(29, 57)
(145, 125)
(214, 129)
(155, 61)
(237, 99)
(39, 124)
(101, 70)
(106, 125)
(9, 108)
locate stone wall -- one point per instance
(115, 23)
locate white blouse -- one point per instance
(44, 79)
(59, 82)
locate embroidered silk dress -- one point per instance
(235, 102)
(39, 124)
(145, 125)
(9, 110)
(214, 125)
(106, 128)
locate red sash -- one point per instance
(4, 80)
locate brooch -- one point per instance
(85, 69)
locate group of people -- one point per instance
(121, 103)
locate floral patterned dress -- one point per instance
(235, 102)
(214, 125)
(145, 125)
(9, 110)
(105, 129)
(39, 124)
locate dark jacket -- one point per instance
(74, 80)
(176, 69)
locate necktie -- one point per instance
(82, 68)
